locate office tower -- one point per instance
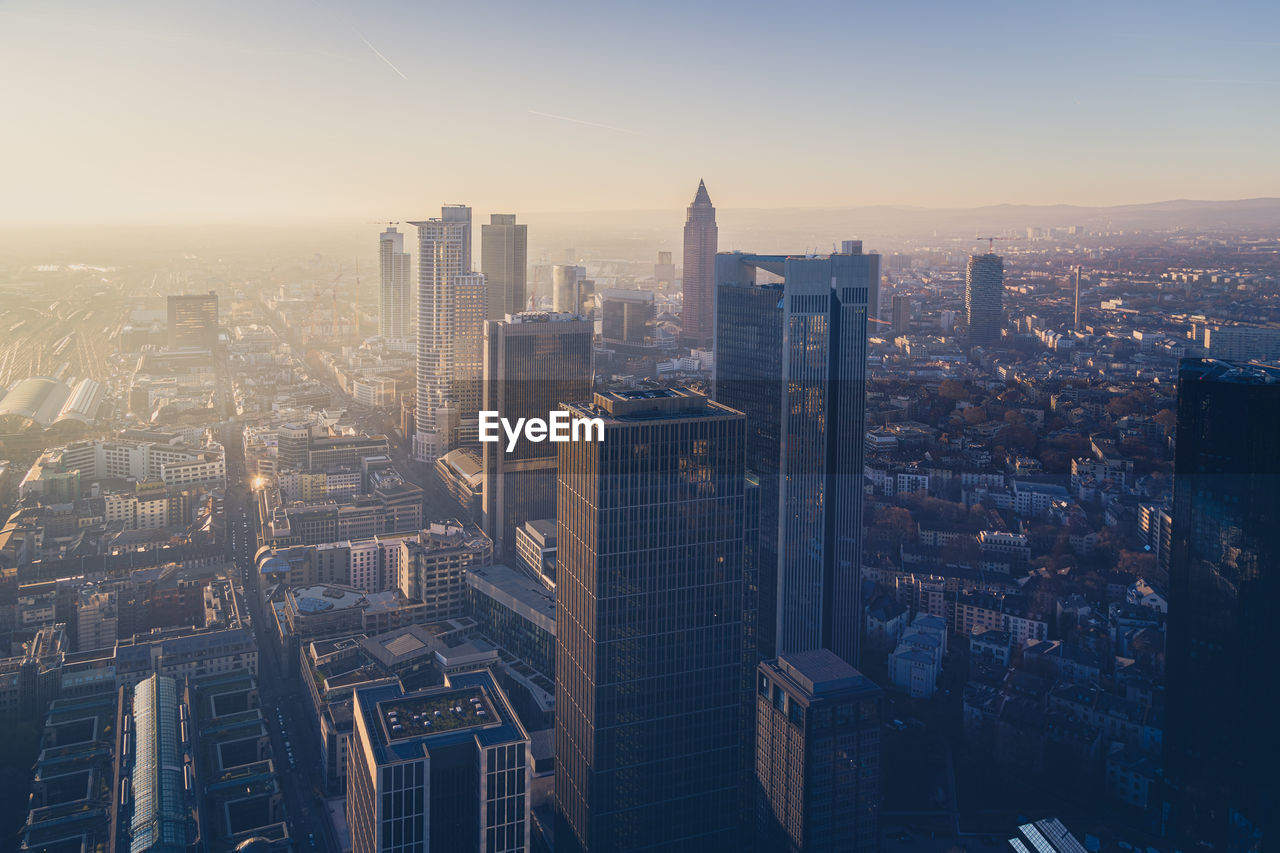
(504, 260)
(565, 282)
(649, 604)
(193, 321)
(901, 314)
(664, 273)
(817, 755)
(441, 770)
(697, 318)
(293, 447)
(533, 363)
(984, 298)
(451, 309)
(792, 356)
(1075, 322)
(627, 318)
(470, 304)
(393, 296)
(1222, 746)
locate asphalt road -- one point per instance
(285, 703)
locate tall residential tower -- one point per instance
(452, 304)
(394, 294)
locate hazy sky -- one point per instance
(258, 111)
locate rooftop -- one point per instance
(416, 716)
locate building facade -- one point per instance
(701, 238)
(504, 260)
(1221, 743)
(436, 770)
(649, 625)
(533, 363)
(791, 355)
(984, 298)
(452, 305)
(817, 755)
(394, 293)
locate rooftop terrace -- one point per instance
(441, 712)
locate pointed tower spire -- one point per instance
(701, 196)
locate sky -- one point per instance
(143, 112)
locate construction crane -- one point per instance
(990, 242)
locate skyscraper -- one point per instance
(565, 281)
(697, 318)
(1222, 746)
(193, 320)
(393, 296)
(627, 318)
(984, 298)
(504, 260)
(451, 310)
(817, 755)
(533, 363)
(440, 769)
(792, 356)
(649, 604)
(901, 314)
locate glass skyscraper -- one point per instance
(533, 363)
(649, 626)
(984, 298)
(1222, 746)
(791, 355)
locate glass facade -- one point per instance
(792, 356)
(1221, 742)
(533, 363)
(649, 624)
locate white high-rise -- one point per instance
(451, 314)
(394, 306)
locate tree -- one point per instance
(953, 389)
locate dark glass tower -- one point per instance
(791, 355)
(1222, 745)
(533, 362)
(984, 298)
(649, 626)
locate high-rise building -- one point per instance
(566, 280)
(436, 770)
(504, 260)
(701, 236)
(901, 314)
(817, 755)
(1221, 743)
(627, 318)
(452, 305)
(791, 354)
(533, 363)
(664, 273)
(984, 298)
(193, 320)
(649, 626)
(394, 294)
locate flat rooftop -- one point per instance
(449, 711)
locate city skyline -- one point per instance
(294, 79)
